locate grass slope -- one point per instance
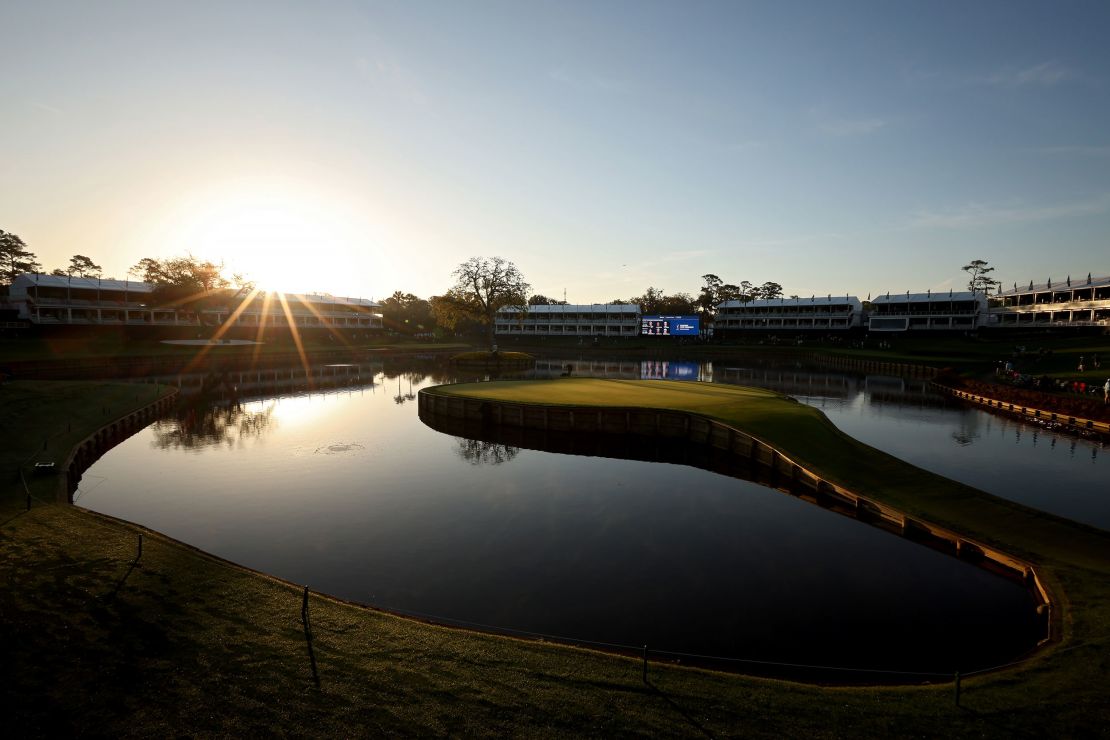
(183, 643)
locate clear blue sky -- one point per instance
(366, 147)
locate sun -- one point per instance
(281, 236)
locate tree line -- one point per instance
(713, 293)
(482, 287)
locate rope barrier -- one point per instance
(637, 649)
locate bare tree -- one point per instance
(482, 287)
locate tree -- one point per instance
(650, 302)
(406, 312)
(679, 304)
(482, 287)
(716, 291)
(768, 290)
(182, 272)
(730, 292)
(148, 269)
(15, 258)
(182, 280)
(709, 297)
(541, 300)
(82, 266)
(980, 281)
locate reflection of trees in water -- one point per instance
(195, 427)
(477, 452)
(968, 427)
(963, 439)
(403, 396)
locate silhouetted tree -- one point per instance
(709, 295)
(980, 281)
(768, 291)
(679, 304)
(406, 312)
(182, 272)
(82, 266)
(15, 258)
(482, 287)
(179, 280)
(650, 302)
(541, 300)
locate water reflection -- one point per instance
(199, 425)
(651, 448)
(240, 385)
(478, 452)
(1007, 456)
(405, 397)
(349, 492)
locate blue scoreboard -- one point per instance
(670, 326)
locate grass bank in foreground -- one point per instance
(183, 643)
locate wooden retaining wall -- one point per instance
(92, 447)
(785, 473)
(1076, 422)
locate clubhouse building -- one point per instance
(50, 300)
(586, 320)
(825, 313)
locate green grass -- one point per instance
(182, 643)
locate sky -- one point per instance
(360, 148)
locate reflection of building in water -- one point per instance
(626, 369)
(271, 381)
(905, 392)
(791, 382)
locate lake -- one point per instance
(343, 488)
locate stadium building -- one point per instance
(1079, 303)
(53, 301)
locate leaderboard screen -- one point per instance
(668, 370)
(669, 326)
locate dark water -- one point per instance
(346, 490)
(1007, 456)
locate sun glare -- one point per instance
(279, 237)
